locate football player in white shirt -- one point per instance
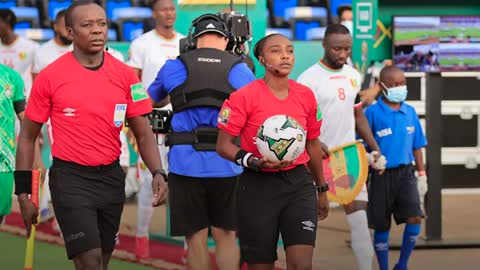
(336, 87)
(16, 52)
(147, 54)
(54, 48)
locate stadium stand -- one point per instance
(27, 17)
(8, 3)
(303, 18)
(130, 21)
(36, 34)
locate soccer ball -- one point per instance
(280, 137)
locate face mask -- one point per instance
(348, 25)
(396, 94)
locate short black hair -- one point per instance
(8, 16)
(257, 50)
(343, 8)
(336, 29)
(72, 7)
(60, 15)
(387, 70)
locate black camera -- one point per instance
(236, 25)
(240, 31)
(160, 120)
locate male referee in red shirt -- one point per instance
(87, 94)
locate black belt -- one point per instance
(202, 138)
(85, 168)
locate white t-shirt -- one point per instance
(47, 53)
(19, 56)
(116, 54)
(150, 51)
(336, 92)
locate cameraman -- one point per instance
(202, 184)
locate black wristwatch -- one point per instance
(160, 171)
(323, 188)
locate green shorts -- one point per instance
(6, 191)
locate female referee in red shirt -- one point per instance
(281, 196)
(87, 94)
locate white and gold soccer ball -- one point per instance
(280, 137)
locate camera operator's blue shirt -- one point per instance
(183, 159)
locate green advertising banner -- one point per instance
(364, 32)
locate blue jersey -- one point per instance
(397, 132)
(184, 159)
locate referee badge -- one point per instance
(119, 114)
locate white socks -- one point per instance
(361, 240)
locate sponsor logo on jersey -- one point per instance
(337, 77)
(69, 111)
(138, 92)
(384, 132)
(410, 129)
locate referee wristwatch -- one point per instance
(160, 171)
(323, 188)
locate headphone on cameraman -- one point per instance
(191, 42)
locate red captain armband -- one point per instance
(23, 182)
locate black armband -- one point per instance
(241, 158)
(19, 106)
(23, 182)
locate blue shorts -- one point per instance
(394, 192)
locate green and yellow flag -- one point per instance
(346, 171)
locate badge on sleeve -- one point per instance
(224, 116)
(119, 114)
(138, 92)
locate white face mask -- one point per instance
(396, 94)
(349, 26)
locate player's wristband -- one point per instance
(421, 173)
(23, 182)
(241, 158)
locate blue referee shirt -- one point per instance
(397, 132)
(184, 159)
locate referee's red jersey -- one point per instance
(247, 108)
(87, 108)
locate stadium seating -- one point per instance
(27, 17)
(303, 18)
(130, 21)
(54, 6)
(284, 31)
(112, 35)
(8, 3)
(316, 33)
(334, 4)
(36, 34)
(111, 5)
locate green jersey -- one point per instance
(11, 90)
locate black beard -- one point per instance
(64, 40)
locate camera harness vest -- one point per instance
(206, 86)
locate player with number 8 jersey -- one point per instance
(336, 87)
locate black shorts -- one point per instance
(269, 203)
(88, 204)
(394, 192)
(197, 203)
